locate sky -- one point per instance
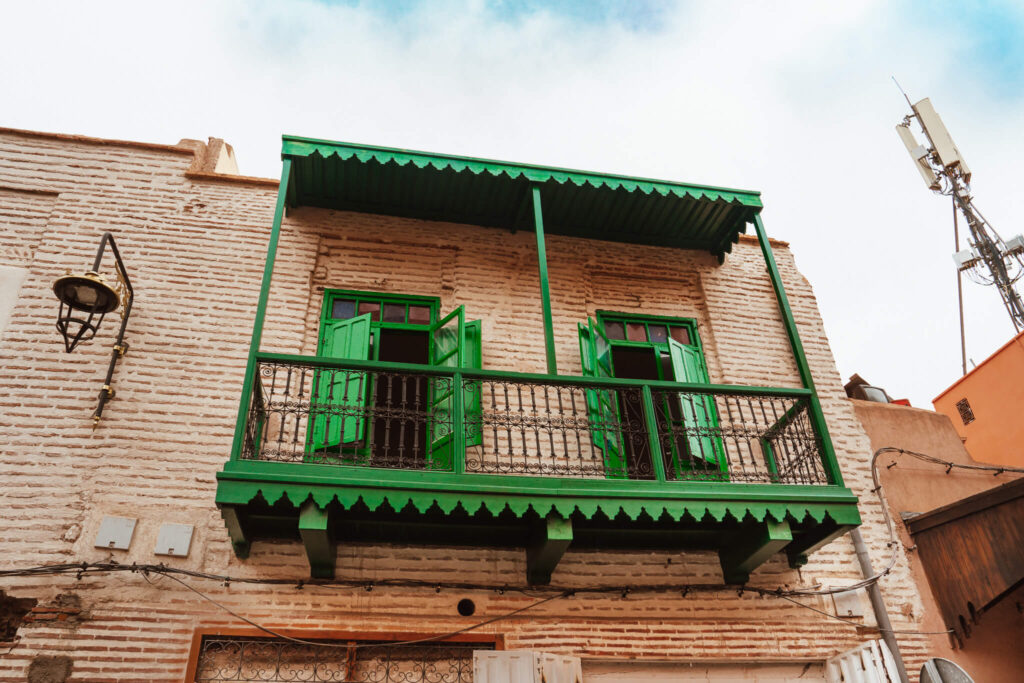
(795, 99)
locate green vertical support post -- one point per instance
(651, 421)
(545, 294)
(829, 462)
(769, 459)
(458, 425)
(261, 311)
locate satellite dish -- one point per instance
(938, 670)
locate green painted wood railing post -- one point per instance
(458, 425)
(829, 461)
(261, 312)
(545, 294)
(651, 420)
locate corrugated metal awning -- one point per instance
(350, 177)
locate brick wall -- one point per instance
(194, 244)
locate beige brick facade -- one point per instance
(195, 244)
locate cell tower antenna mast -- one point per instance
(988, 260)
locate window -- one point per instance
(378, 416)
(966, 414)
(650, 348)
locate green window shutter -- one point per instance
(339, 413)
(699, 417)
(472, 357)
(602, 408)
(447, 342)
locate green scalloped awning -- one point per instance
(338, 175)
(294, 494)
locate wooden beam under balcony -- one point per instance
(236, 532)
(552, 537)
(749, 548)
(317, 531)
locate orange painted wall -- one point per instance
(995, 391)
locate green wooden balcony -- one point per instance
(339, 449)
(333, 451)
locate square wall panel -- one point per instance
(174, 540)
(115, 533)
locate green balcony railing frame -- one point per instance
(457, 375)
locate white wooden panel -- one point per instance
(868, 663)
(560, 669)
(505, 666)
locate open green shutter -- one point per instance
(699, 417)
(472, 357)
(339, 410)
(602, 408)
(447, 342)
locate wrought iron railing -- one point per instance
(238, 658)
(393, 416)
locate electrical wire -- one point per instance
(444, 636)
(851, 622)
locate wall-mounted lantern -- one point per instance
(83, 298)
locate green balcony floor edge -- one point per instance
(242, 482)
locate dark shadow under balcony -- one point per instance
(337, 450)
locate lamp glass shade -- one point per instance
(86, 293)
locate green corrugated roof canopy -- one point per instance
(339, 175)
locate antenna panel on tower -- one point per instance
(940, 138)
(919, 153)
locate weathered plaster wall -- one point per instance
(992, 653)
(195, 247)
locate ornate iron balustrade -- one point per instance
(237, 658)
(365, 413)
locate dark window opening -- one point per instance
(399, 430)
(633, 363)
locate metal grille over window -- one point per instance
(966, 414)
(231, 658)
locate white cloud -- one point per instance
(794, 99)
